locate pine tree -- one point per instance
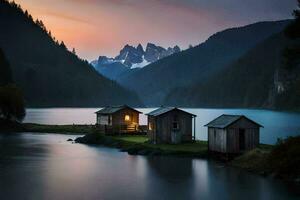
(293, 30)
(62, 45)
(292, 52)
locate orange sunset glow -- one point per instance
(103, 27)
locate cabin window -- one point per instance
(127, 118)
(103, 120)
(175, 123)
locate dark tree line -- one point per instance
(5, 71)
(12, 105)
(293, 30)
(38, 23)
(292, 53)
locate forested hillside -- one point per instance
(268, 76)
(47, 72)
(255, 80)
(5, 71)
(154, 82)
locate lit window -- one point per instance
(127, 118)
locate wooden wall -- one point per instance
(163, 127)
(119, 125)
(118, 118)
(227, 140)
(217, 140)
(251, 135)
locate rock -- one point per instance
(70, 140)
(131, 55)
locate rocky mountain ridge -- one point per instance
(131, 59)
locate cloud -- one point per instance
(65, 16)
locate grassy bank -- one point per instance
(281, 160)
(7, 126)
(62, 129)
(139, 145)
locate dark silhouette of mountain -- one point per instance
(197, 64)
(47, 72)
(5, 71)
(131, 59)
(259, 79)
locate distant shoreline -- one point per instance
(183, 107)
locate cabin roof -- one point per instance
(114, 109)
(224, 121)
(164, 110)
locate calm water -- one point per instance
(47, 167)
(276, 124)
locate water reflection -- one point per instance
(170, 169)
(47, 167)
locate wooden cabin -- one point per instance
(232, 134)
(170, 125)
(118, 120)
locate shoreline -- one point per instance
(138, 145)
(266, 160)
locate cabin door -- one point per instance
(175, 137)
(242, 139)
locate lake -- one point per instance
(276, 124)
(46, 166)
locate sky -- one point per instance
(103, 27)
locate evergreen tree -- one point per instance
(12, 107)
(62, 45)
(293, 30)
(292, 53)
(5, 71)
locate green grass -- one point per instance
(62, 129)
(133, 138)
(254, 160)
(192, 147)
(281, 160)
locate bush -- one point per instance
(12, 106)
(284, 160)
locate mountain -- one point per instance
(259, 79)
(130, 59)
(5, 71)
(198, 63)
(47, 72)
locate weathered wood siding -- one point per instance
(163, 127)
(217, 140)
(118, 123)
(118, 118)
(228, 140)
(233, 140)
(251, 135)
(251, 139)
